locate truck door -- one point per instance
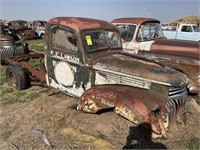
(63, 61)
(186, 33)
(127, 32)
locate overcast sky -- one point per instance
(164, 10)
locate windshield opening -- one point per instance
(20, 24)
(101, 40)
(149, 31)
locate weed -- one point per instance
(25, 96)
(2, 75)
(190, 144)
(8, 100)
(29, 96)
(5, 90)
(19, 94)
(36, 62)
(36, 44)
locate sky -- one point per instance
(163, 10)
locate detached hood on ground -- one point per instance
(130, 66)
(177, 47)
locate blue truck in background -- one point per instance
(39, 27)
(184, 31)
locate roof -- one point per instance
(78, 23)
(134, 20)
(39, 21)
(17, 21)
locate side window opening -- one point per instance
(186, 29)
(127, 32)
(64, 39)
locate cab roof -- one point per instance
(137, 21)
(78, 23)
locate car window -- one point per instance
(101, 40)
(149, 31)
(186, 29)
(64, 39)
(127, 32)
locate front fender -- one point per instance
(135, 104)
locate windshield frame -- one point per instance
(158, 33)
(107, 47)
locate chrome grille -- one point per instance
(7, 52)
(177, 93)
(173, 107)
(119, 79)
(176, 101)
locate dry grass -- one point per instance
(188, 19)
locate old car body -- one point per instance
(38, 26)
(143, 36)
(19, 30)
(103, 76)
(84, 59)
(10, 48)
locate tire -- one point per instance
(16, 77)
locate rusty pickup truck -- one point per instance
(84, 59)
(144, 37)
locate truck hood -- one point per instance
(140, 68)
(5, 37)
(176, 48)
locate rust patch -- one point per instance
(80, 23)
(134, 104)
(137, 21)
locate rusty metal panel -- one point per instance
(179, 48)
(136, 105)
(79, 24)
(137, 21)
(122, 65)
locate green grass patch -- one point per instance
(6, 90)
(10, 96)
(19, 93)
(192, 144)
(36, 62)
(35, 41)
(25, 96)
(2, 75)
(38, 48)
(36, 44)
(29, 96)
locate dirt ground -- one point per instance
(51, 122)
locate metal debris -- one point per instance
(42, 136)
